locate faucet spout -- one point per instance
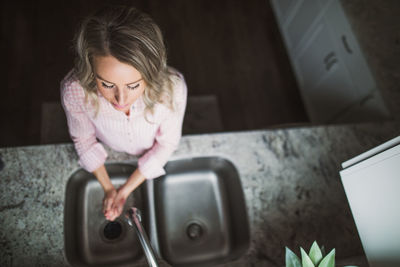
(134, 219)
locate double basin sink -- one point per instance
(195, 215)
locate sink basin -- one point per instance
(91, 240)
(200, 212)
(196, 216)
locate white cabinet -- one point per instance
(349, 50)
(300, 21)
(283, 7)
(326, 84)
(333, 76)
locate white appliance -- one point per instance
(372, 185)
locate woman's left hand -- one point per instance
(123, 192)
(118, 204)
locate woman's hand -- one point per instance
(108, 201)
(123, 192)
(109, 191)
(118, 203)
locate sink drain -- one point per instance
(112, 230)
(194, 231)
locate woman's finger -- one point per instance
(120, 206)
(110, 215)
(109, 204)
(105, 202)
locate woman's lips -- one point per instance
(120, 107)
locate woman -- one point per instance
(122, 92)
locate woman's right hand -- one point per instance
(108, 201)
(109, 191)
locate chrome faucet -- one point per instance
(134, 219)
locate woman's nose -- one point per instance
(120, 96)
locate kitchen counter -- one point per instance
(290, 178)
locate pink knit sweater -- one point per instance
(153, 140)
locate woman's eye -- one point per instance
(107, 86)
(133, 87)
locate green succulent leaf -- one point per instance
(305, 260)
(291, 259)
(315, 253)
(329, 260)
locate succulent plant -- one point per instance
(315, 258)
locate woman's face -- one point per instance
(119, 83)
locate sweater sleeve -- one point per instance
(81, 129)
(151, 164)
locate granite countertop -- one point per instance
(290, 178)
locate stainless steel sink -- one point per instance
(91, 240)
(196, 216)
(200, 211)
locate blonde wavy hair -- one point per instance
(132, 37)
